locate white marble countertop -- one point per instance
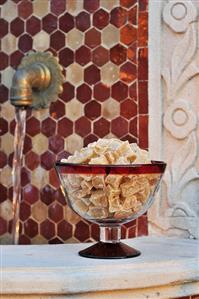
(167, 267)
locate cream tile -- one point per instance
(41, 114)
(39, 177)
(9, 10)
(110, 36)
(7, 111)
(73, 142)
(109, 4)
(41, 41)
(74, 74)
(7, 143)
(74, 6)
(39, 240)
(7, 76)
(74, 39)
(70, 216)
(9, 43)
(74, 109)
(6, 239)
(110, 73)
(110, 109)
(6, 176)
(41, 7)
(40, 143)
(39, 211)
(6, 210)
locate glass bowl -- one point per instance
(110, 195)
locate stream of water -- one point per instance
(19, 137)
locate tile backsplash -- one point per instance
(102, 46)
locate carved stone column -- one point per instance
(174, 114)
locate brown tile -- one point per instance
(133, 15)
(57, 6)
(84, 93)
(128, 72)
(15, 59)
(55, 212)
(83, 126)
(128, 109)
(31, 228)
(132, 52)
(48, 127)
(3, 159)
(66, 22)
(65, 127)
(32, 126)
(100, 19)
(143, 5)
(64, 230)
(49, 23)
(25, 43)
(118, 16)
(57, 109)
(81, 231)
(119, 91)
(57, 40)
(68, 92)
(133, 127)
(25, 9)
(92, 38)
(3, 61)
(119, 127)
(32, 160)
(83, 55)
(92, 74)
(47, 229)
(128, 3)
(82, 21)
(3, 126)
(33, 25)
(4, 93)
(118, 54)
(89, 139)
(3, 193)
(53, 177)
(30, 194)
(91, 5)
(3, 28)
(100, 56)
(101, 92)
(142, 229)
(101, 127)
(128, 34)
(47, 194)
(47, 160)
(25, 211)
(92, 110)
(66, 57)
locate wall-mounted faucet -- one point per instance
(37, 81)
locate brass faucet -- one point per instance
(37, 81)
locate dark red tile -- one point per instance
(143, 5)
(31, 228)
(64, 230)
(100, 19)
(92, 74)
(119, 16)
(118, 54)
(142, 226)
(47, 229)
(25, 9)
(62, 155)
(57, 40)
(49, 23)
(92, 38)
(30, 194)
(143, 64)
(57, 7)
(33, 25)
(92, 110)
(3, 193)
(89, 139)
(83, 55)
(2, 2)
(128, 34)
(100, 56)
(65, 127)
(143, 29)
(53, 178)
(47, 160)
(143, 128)
(82, 21)
(132, 52)
(132, 232)
(32, 160)
(130, 138)
(48, 127)
(25, 43)
(32, 126)
(25, 211)
(15, 59)
(10, 159)
(68, 92)
(119, 126)
(128, 72)
(81, 231)
(3, 61)
(47, 194)
(133, 127)
(3, 126)
(3, 226)
(17, 27)
(3, 159)
(3, 27)
(55, 212)
(25, 176)
(66, 57)
(56, 144)
(83, 126)
(101, 127)
(66, 22)
(84, 93)
(132, 15)
(3, 93)
(57, 109)
(91, 5)
(60, 197)
(101, 92)
(143, 97)
(119, 91)
(55, 241)
(128, 3)
(27, 144)
(128, 109)
(24, 240)
(95, 231)
(133, 91)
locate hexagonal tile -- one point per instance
(56, 143)
(9, 11)
(48, 127)
(133, 127)
(25, 42)
(101, 127)
(39, 211)
(55, 241)
(8, 112)
(68, 92)
(92, 74)
(3, 61)
(53, 177)
(65, 127)
(82, 231)
(3, 159)
(30, 194)
(47, 229)
(31, 228)
(92, 38)
(132, 52)
(66, 22)
(66, 57)
(109, 73)
(4, 93)
(110, 109)
(128, 34)
(83, 126)
(25, 176)
(33, 25)
(39, 177)
(25, 211)
(119, 91)
(9, 43)
(133, 91)
(24, 240)
(7, 210)
(91, 5)
(89, 139)
(84, 93)
(32, 160)
(110, 36)
(119, 126)
(57, 109)
(118, 54)
(47, 160)
(74, 7)
(3, 226)
(41, 8)
(8, 73)
(25, 9)
(119, 16)
(41, 41)
(47, 195)
(101, 92)
(83, 55)
(133, 15)
(74, 110)
(130, 138)
(57, 7)
(100, 56)
(128, 109)
(100, 19)
(7, 143)
(64, 230)
(74, 39)
(110, 4)
(3, 193)
(3, 126)
(15, 58)
(127, 3)
(49, 23)
(27, 144)
(128, 72)
(73, 143)
(33, 126)
(57, 40)
(6, 176)
(82, 21)
(3, 27)
(92, 110)
(75, 74)
(55, 212)
(39, 143)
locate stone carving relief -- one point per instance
(177, 210)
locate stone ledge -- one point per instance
(167, 268)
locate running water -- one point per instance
(16, 170)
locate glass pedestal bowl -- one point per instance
(110, 195)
